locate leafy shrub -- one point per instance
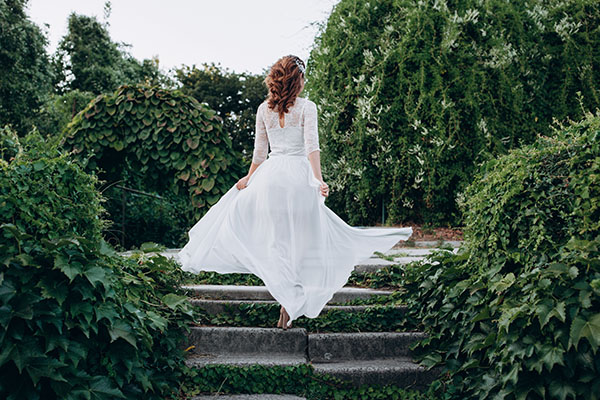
(413, 95)
(155, 140)
(78, 321)
(517, 313)
(9, 144)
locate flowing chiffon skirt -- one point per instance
(279, 229)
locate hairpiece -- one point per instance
(298, 61)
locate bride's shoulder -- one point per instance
(308, 104)
(262, 107)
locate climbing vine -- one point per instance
(170, 139)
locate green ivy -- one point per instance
(516, 314)
(78, 320)
(299, 380)
(376, 318)
(413, 95)
(157, 140)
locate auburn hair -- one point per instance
(284, 82)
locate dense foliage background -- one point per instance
(78, 320)
(25, 73)
(235, 97)
(45, 92)
(413, 95)
(517, 313)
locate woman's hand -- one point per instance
(324, 189)
(242, 183)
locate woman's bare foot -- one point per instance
(280, 322)
(284, 317)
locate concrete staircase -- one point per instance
(374, 358)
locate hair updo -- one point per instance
(284, 82)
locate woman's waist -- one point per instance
(287, 153)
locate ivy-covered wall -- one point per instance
(413, 95)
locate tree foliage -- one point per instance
(88, 60)
(234, 96)
(25, 74)
(413, 95)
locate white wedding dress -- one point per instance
(278, 227)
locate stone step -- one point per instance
(208, 340)
(337, 347)
(428, 244)
(375, 358)
(401, 371)
(249, 397)
(243, 292)
(214, 307)
(245, 359)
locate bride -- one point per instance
(273, 222)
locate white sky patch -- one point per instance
(241, 35)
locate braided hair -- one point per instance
(284, 82)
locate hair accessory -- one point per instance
(298, 61)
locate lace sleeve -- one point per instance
(261, 142)
(311, 131)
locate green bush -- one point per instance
(79, 321)
(413, 95)
(516, 314)
(155, 140)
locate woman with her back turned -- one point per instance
(273, 222)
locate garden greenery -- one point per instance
(516, 314)
(297, 379)
(77, 320)
(412, 95)
(160, 141)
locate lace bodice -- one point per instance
(299, 135)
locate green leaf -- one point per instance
(173, 300)
(588, 329)
(95, 274)
(148, 247)
(512, 376)
(106, 310)
(70, 269)
(552, 356)
(559, 389)
(504, 283)
(192, 143)
(102, 389)
(121, 329)
(208, 184)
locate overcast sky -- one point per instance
(241, 35)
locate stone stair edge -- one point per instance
(420, 244)
(248, 397)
